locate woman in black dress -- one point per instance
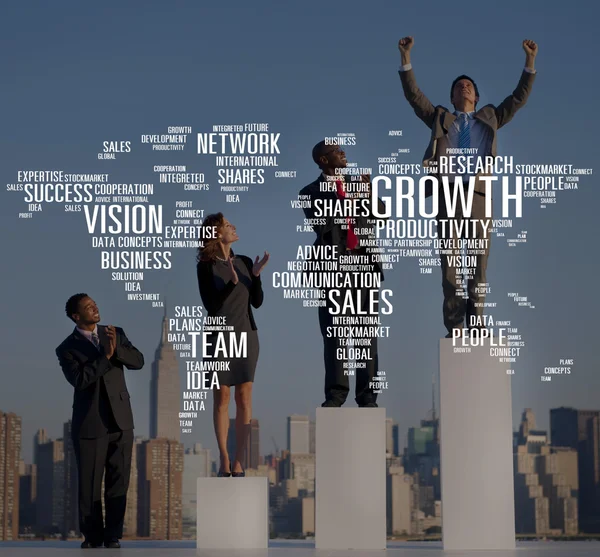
(229, 285)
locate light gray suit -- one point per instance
(439, 119)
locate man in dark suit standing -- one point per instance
(345, 234)
(466, 130)
(92, 359)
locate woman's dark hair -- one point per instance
(212, 246)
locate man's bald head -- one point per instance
(317, 151)
(328, 156)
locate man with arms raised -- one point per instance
(473, 131)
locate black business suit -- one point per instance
(332, 233)
(102, 427)
(222, 298)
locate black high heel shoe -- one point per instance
(241, 474)
(223, 474)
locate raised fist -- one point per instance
(530, 48)
(405, 44)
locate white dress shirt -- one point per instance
(481, 135)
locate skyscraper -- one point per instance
(580, 430)
(423, 455)
(396, 439)
(298, 434)
(402, 502)
(389, 437)
(27, 496)
(196, 465)
(160, 478)
(10, 455)
(546, 483)
(130, 523)
(40, 438)
(50, 503)
(254, 445)
(71, 503)
(251, 457)
(165, 392)
(527, 425)
(302, 469)
(420, 441)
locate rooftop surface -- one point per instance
(281, 548)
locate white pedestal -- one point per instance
(232, 513)
(350, 479)
(476, 450)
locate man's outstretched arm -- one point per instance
(420, 103)
(509, 106)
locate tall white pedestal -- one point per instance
(350, 485)
(232, 513)
(476, 450)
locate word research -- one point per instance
(238, 143)
(226, 345)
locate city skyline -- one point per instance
(267, 441)
(547, 480)
(423, 423)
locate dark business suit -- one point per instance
(213, 298)
(102, 427)
(222, 298)
(439, 119)
(334, 234)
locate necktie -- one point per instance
(352, 239)
(464, 131)
(95, 339)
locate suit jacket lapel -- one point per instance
(336, 230)
(483, 116)
(323, 194)
(448, 120)
(84, 344)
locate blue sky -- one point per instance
(76, 74)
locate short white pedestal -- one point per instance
(350, 479)
(476, 450)
(232, 513)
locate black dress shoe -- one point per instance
(330, 404)
(460, 332)
(112, 544)
(369, 405)
(89, 545)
